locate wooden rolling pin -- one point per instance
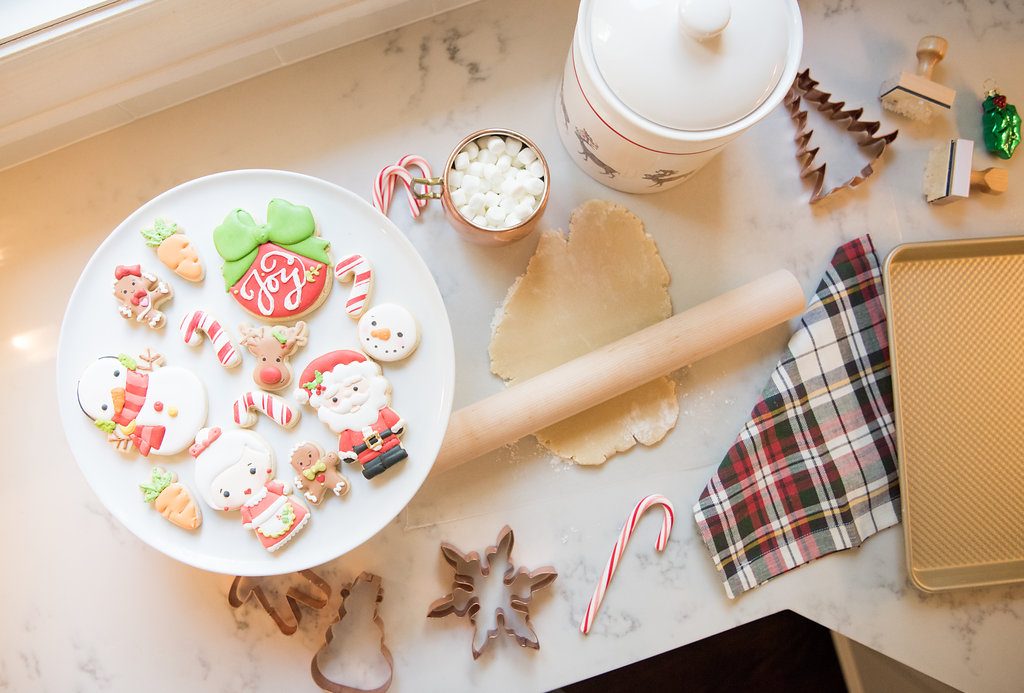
(618, 367)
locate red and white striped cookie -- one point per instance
(358, 269)
(196, 322)
(271, 405)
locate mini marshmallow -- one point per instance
(504, 162)
(496, 146)
(534, 186)
(529, 200)
(526, 156)
(489, 171)
(522, 210)
(536, 168)
(476, 202)
(461, 161)
(492, 198)
(476, 169)
(459, 197)
(512, 220)
(487, 157)
(480, 220)
(470, 183)
(455, 179)
(507, 186)
(495, 215)
(472, 150)
(466, 212)
(512, 145)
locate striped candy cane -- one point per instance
(384, 184)
(198, 321)
(359, 270)
(271, 405)
(620, 548)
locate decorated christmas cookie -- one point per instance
(141, 405)
(174, 250)
(352, 397)
(388, 332)
(140, 293)
(316, 472)
(279, 270)
(171, 499)
(273, 347)
(235, 471)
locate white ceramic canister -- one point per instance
(653, 89)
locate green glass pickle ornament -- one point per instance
(1000, 124)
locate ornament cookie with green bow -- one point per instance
(316, 472)
(279, 270)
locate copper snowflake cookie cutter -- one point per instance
(805, 90)
(278, 605)
(319, 677)
(520, 584)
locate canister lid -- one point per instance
(692, 64)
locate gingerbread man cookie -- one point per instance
(272, 347)
(140, 293)
(317, 472)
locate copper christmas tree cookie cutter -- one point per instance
(519, 583)
(327, 684)
(279, 605)
(805, 90)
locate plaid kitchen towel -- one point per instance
(814, 470)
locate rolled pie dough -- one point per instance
(601, 283)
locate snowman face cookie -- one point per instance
(388, 332)
(150, 409)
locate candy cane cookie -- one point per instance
(271, 405)
(620, 548)
(358, 269)
(198, 321)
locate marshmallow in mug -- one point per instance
(497, 182)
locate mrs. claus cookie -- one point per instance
(235, 471)
(142, 406)
(352, 397)
(279, 270)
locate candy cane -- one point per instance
(358, 268)
(384, 184)
(620, 547)
(271, 405)
(198, 321)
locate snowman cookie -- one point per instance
(279, 270)
(235, 471)
(139, 294)
(388, 332)
(142, 406)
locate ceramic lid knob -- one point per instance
(704, 19)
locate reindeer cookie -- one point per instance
(140, 293)
(317, 473)
(272, 347)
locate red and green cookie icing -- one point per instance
(278, 269)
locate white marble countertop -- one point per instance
(87, 606)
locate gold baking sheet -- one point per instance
(956, 336)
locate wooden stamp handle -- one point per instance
(593, 378)
(992, 180)
(930, 50)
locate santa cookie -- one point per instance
(388, 332)
(316, 472)
(352, 397)
(235, 471)
(279, 270)
(272, 347)
(142, 406)
(139, 294)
